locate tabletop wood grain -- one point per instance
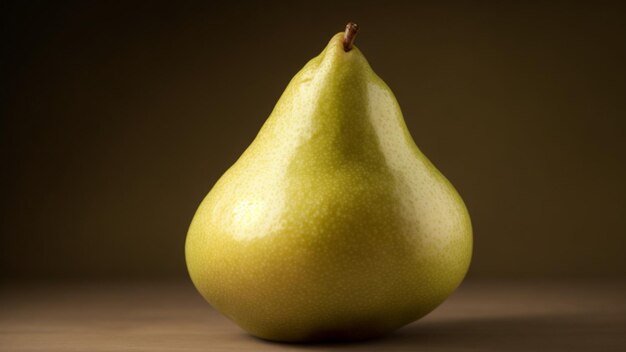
(582, 315)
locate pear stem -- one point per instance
(349, 35)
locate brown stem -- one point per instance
(349, 35)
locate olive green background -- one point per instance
(117, 118)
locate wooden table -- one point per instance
(481, 316)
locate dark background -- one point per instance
(118, 117)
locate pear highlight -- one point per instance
(332, 225)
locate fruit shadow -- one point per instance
(546, 332)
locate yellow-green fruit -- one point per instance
(332, 224)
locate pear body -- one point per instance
(332, 224)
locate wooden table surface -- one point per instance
(481, 316)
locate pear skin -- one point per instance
(332, 225)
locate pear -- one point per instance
(332, 225)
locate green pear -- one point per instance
(332, 224)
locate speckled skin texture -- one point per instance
(332, 224)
